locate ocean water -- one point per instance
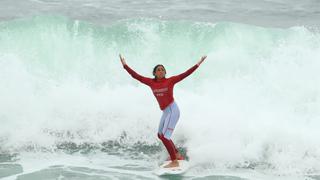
(68, 109)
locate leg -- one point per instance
(178, 155)
(166, 115)
(172, 144)
(168, 122)
(169, 146)
(171, 150)
(171, 121)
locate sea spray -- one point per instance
(254, 103)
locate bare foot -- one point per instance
(174, 163)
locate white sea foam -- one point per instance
(254, 102)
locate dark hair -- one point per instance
(155, 68)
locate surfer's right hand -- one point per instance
(122, 60)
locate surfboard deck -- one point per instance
(183, 167)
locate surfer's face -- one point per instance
(160, 72)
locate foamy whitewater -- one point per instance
(68, 109)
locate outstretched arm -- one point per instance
(188, 72)
(135, 75)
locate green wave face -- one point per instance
(61, 47)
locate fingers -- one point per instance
(121, 58)
(201, 60)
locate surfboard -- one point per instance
(183, 167)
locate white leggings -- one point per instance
(169, 119)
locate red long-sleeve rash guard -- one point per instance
(162, 88)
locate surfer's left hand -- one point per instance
(201, 60)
